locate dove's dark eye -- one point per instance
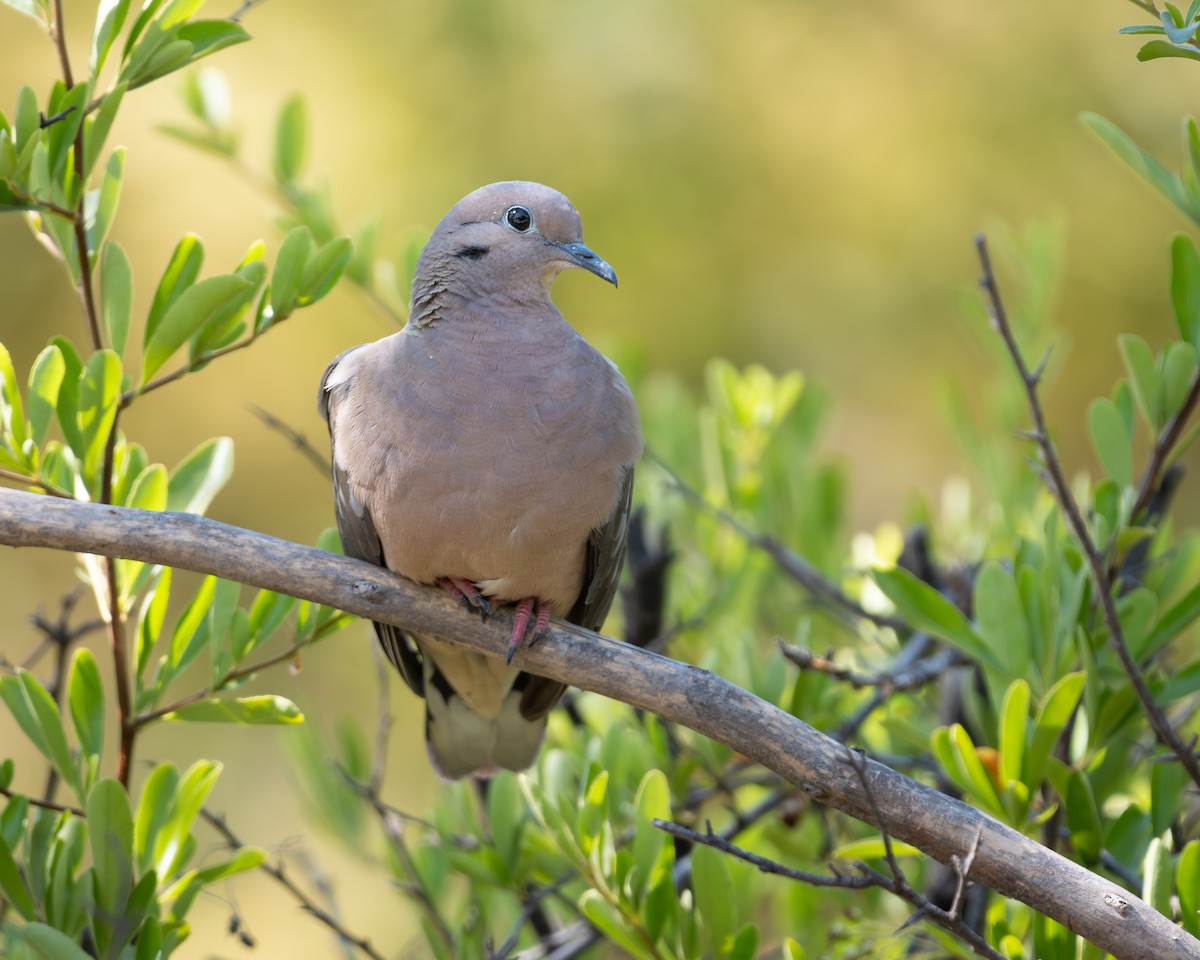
(519, 218)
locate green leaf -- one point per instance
(67, 407)
(60, 135)
(324, 270)
(12, 411)
(209, 36)
(1056, 709)
(793, 951)
(190, 635)
(609, 922)
(174, 846)
(167, 58)
(110, 17)
(99, 397)
(291, 140)
(51, 738)
(650, 853)
(50, 944)
(1143, 373)
(1138, 160)
(195, 307)
(45, 380)
(117, 295)
(97, 127)
(12, 885)
(110, 828)
(1014, 718)
(1159, 49)
(1185, 288)
(85, 694)
(290, 266)
(155, 809)
(1112, 440)
(200, 476)
(26, 122)
(101, 219)
(1181, 615)
(150, 621)
(28, 7)
(928, 610)
(1083, 818)
(712, 884)
(149, 490)
(1000, 617)
(1187, 887)
(1167, 782)
(1156, 877)
(265, 709)
(181, 272)
(1178, 373)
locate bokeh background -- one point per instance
(795, 184)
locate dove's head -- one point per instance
(514, 237)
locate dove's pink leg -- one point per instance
(465, 591)
(529, 607)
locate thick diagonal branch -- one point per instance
(1006, 861)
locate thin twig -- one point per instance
(190, 367)
(294, 436)
(35, 483)
(892, 681)
(787, 559)
(363, 944)
(1164, 445)
(1061, 490)
(44, 804)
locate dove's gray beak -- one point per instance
(582, 256)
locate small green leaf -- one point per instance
(290, 266)
(60, 135)
(50, 944)
(97, 126)
(150, 621)
(712, 884)
(1178, 374)
(1157, 877)
(264, 709)
(181, 272)
(1160, 49)
(116, 286)
(1056, 709)
(12, 411)
(1083, 818)
(209, 36)
(324, 270)
(52, 740)
(793, 951)
(110, 17)
(200, 476)
(650, 854)
(12, 886)
(1187, 887)
(1000, 617)
(1185, 288)
(1166, 794)
(110, 828)
(609, 922)
(928, 610)
(99, 396)
(155, 809)
(106, 203)
(1112, 440)
(45, 380)
(291, 140)
(1138, 160)
(31, 8)
(86, 696)
(1143, 373)
(1014, 718)
(195, 307)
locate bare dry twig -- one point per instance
(1057, 483)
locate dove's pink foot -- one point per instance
(465, 591)
(529, 607)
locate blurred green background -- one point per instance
(793, 184)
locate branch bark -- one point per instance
(1107, 915)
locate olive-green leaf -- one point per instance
(1111, 440)
(1187, 887)
(85, 693)
(265, 709)
(1000, 617)
(928, 610)
(110, 17)
(50, 944)
(324, 270)
(209, 36)
(1178, 375)
(45, 380)
(99, 396)
(97, 126)
(116, 295)
(286, 280)
(155, 809)
(110, 828)
(50, 726)
(12, 885)
(182, 270)
(1159, 49)
(1167, 183)
(291, 140)
(195, 307)
(200, 476)
(1143, 373)
(1185, 288)
(1083, 817)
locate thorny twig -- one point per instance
(787, 559)
(1057, 483)
(362, 944)
(890, 681)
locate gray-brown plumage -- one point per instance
(486, 447)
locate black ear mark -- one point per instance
(471, 253)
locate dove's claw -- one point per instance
(467, 592)
(529, 607)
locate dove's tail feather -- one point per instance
(462, 743)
